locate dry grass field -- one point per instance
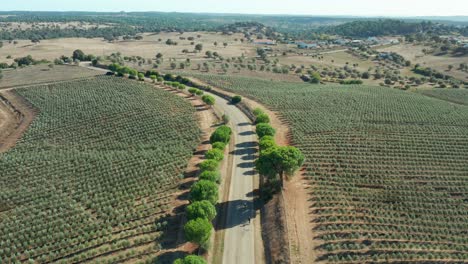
(42, 74)
(415, 54)
(146, 48)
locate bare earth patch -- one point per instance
(16, 114)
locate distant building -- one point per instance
(264, 42)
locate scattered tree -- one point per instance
(282, 161)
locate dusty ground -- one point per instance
(148, 47)
(42, 74)
(414, 53)
(15, 116)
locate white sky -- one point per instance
(307, 7)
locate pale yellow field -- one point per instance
(146, 48)
(415, 55)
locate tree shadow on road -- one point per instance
(247, 133)
(241, 211)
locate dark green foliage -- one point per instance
(236, 99)
(315, 78)
(78, 55)
(221, 134)
(266, 142)
(351, 82)
(219, 145)
(25, 61)
(198, 231)
(382, 27)
(257, 111)
(208, 99)
(214, 154)
(201, 209)
(262, 118)
(214, 176)
(204, 190)
(191, 259)
(280, 161)
(209, 165)
(264, 129)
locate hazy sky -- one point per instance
(310, 7)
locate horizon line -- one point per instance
(246, 14)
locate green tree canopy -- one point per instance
(221, 134)
(208, 99)
(198, 231)
(214, 154)
(214, 176)
(190, 259)
(79, 55)
(279, 161)
(266, 142)
(262, 118)
(209, 165)
(201, 209)
(264, 129)
(204, 190)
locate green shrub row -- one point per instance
(274, 161)
(204, 193)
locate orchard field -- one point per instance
(458, 96)
(93, 177)
(387, 168)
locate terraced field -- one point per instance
(92, 179)
(458, 96)
(388, 168)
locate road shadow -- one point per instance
(250, 173)
(249, 157)
(246, 165)
(244, 124)
(249, 144)
(244, 151)
(241, 211)
(247, 133)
